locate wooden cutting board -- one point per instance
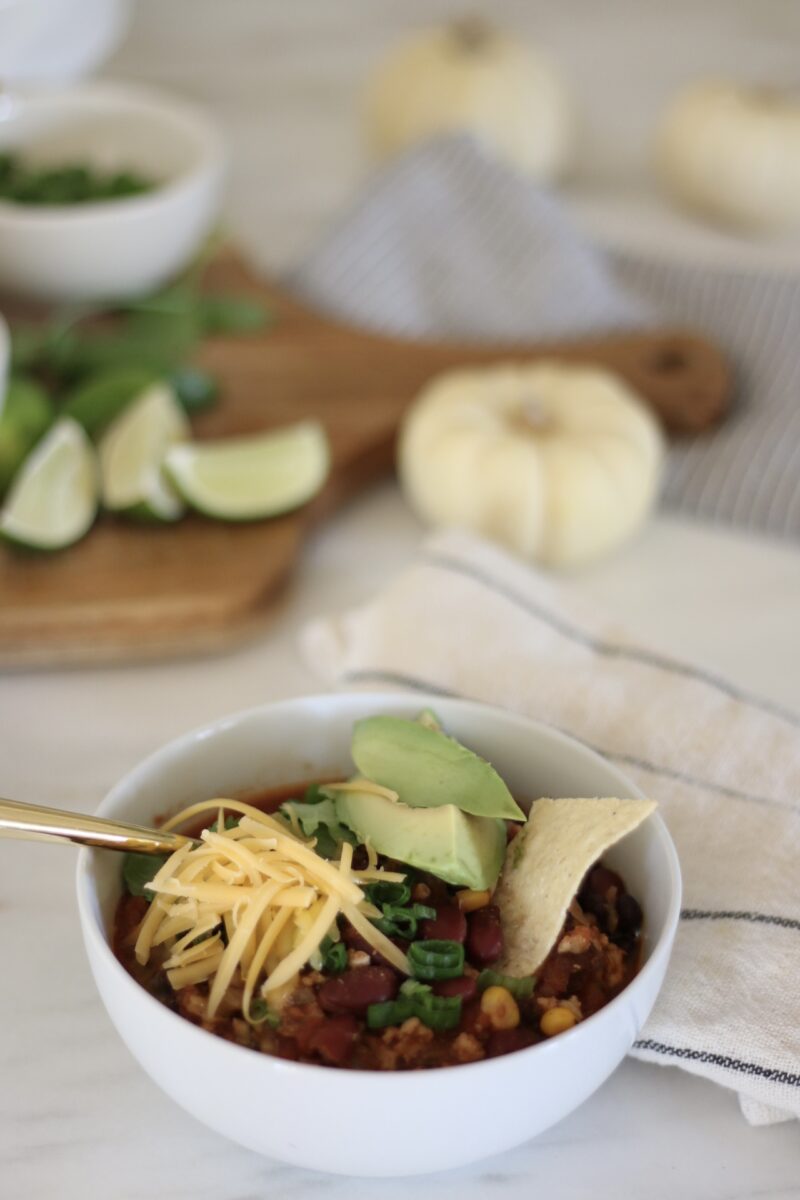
(130, 592)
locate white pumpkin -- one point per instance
(560, 463)
(733, 153)
(470, 77)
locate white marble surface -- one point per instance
(78, 1119)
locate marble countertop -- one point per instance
(78, 1118)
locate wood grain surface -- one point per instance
(131, 592)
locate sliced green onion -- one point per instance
(438, 1012)
(334, 956)
(520, 988)
(413, 987)
(261, 1013)
(402, 922)
(381, 892)
(436, 959)
(416, 1000)
(389, 1012)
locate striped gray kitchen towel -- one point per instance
(449, 242)
(469, 620)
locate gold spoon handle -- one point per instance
(33, 822)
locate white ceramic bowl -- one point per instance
(114, 248)
(361, 1122)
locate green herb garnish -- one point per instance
(221, 313)
(230, 823)
(71, 183)
(154, 335)
(319, 819)
(334, 956)
(139, 869)
(315, 793)
(196, 389)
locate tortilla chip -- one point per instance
(544, 867)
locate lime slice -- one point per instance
(28, 413)
(132, 452)
(53, 499)
(243, 479)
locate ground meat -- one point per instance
(466, 1048)
(555, 975)
(405, 1045)
(323, 1017)
(577, 941)
(192, 1003)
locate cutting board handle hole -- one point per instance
(669, 360)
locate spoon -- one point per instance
(34, 822)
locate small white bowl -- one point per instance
(115, 248)
(363, 1122)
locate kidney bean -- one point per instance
(333, 1039)
(449, 924)
(503, 1041)
(592, 902)
(601, 880)
(484, 936)
(465, 986)
(360, 858)
(353, 939)
(353, 991)
(629, 913)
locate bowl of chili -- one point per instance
(409, 1114)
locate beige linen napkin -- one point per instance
(468, 620)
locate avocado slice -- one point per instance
(427, 768)
(459, 848)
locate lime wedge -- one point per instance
(28, 413)
(53, 499)
(243, 479)
(132, 452)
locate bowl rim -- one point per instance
(191, 121)
(93, 931)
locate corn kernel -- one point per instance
(557, 1020)
(500, 1007)
(469, 899)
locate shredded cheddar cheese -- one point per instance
(363, 785)
(251, 905)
